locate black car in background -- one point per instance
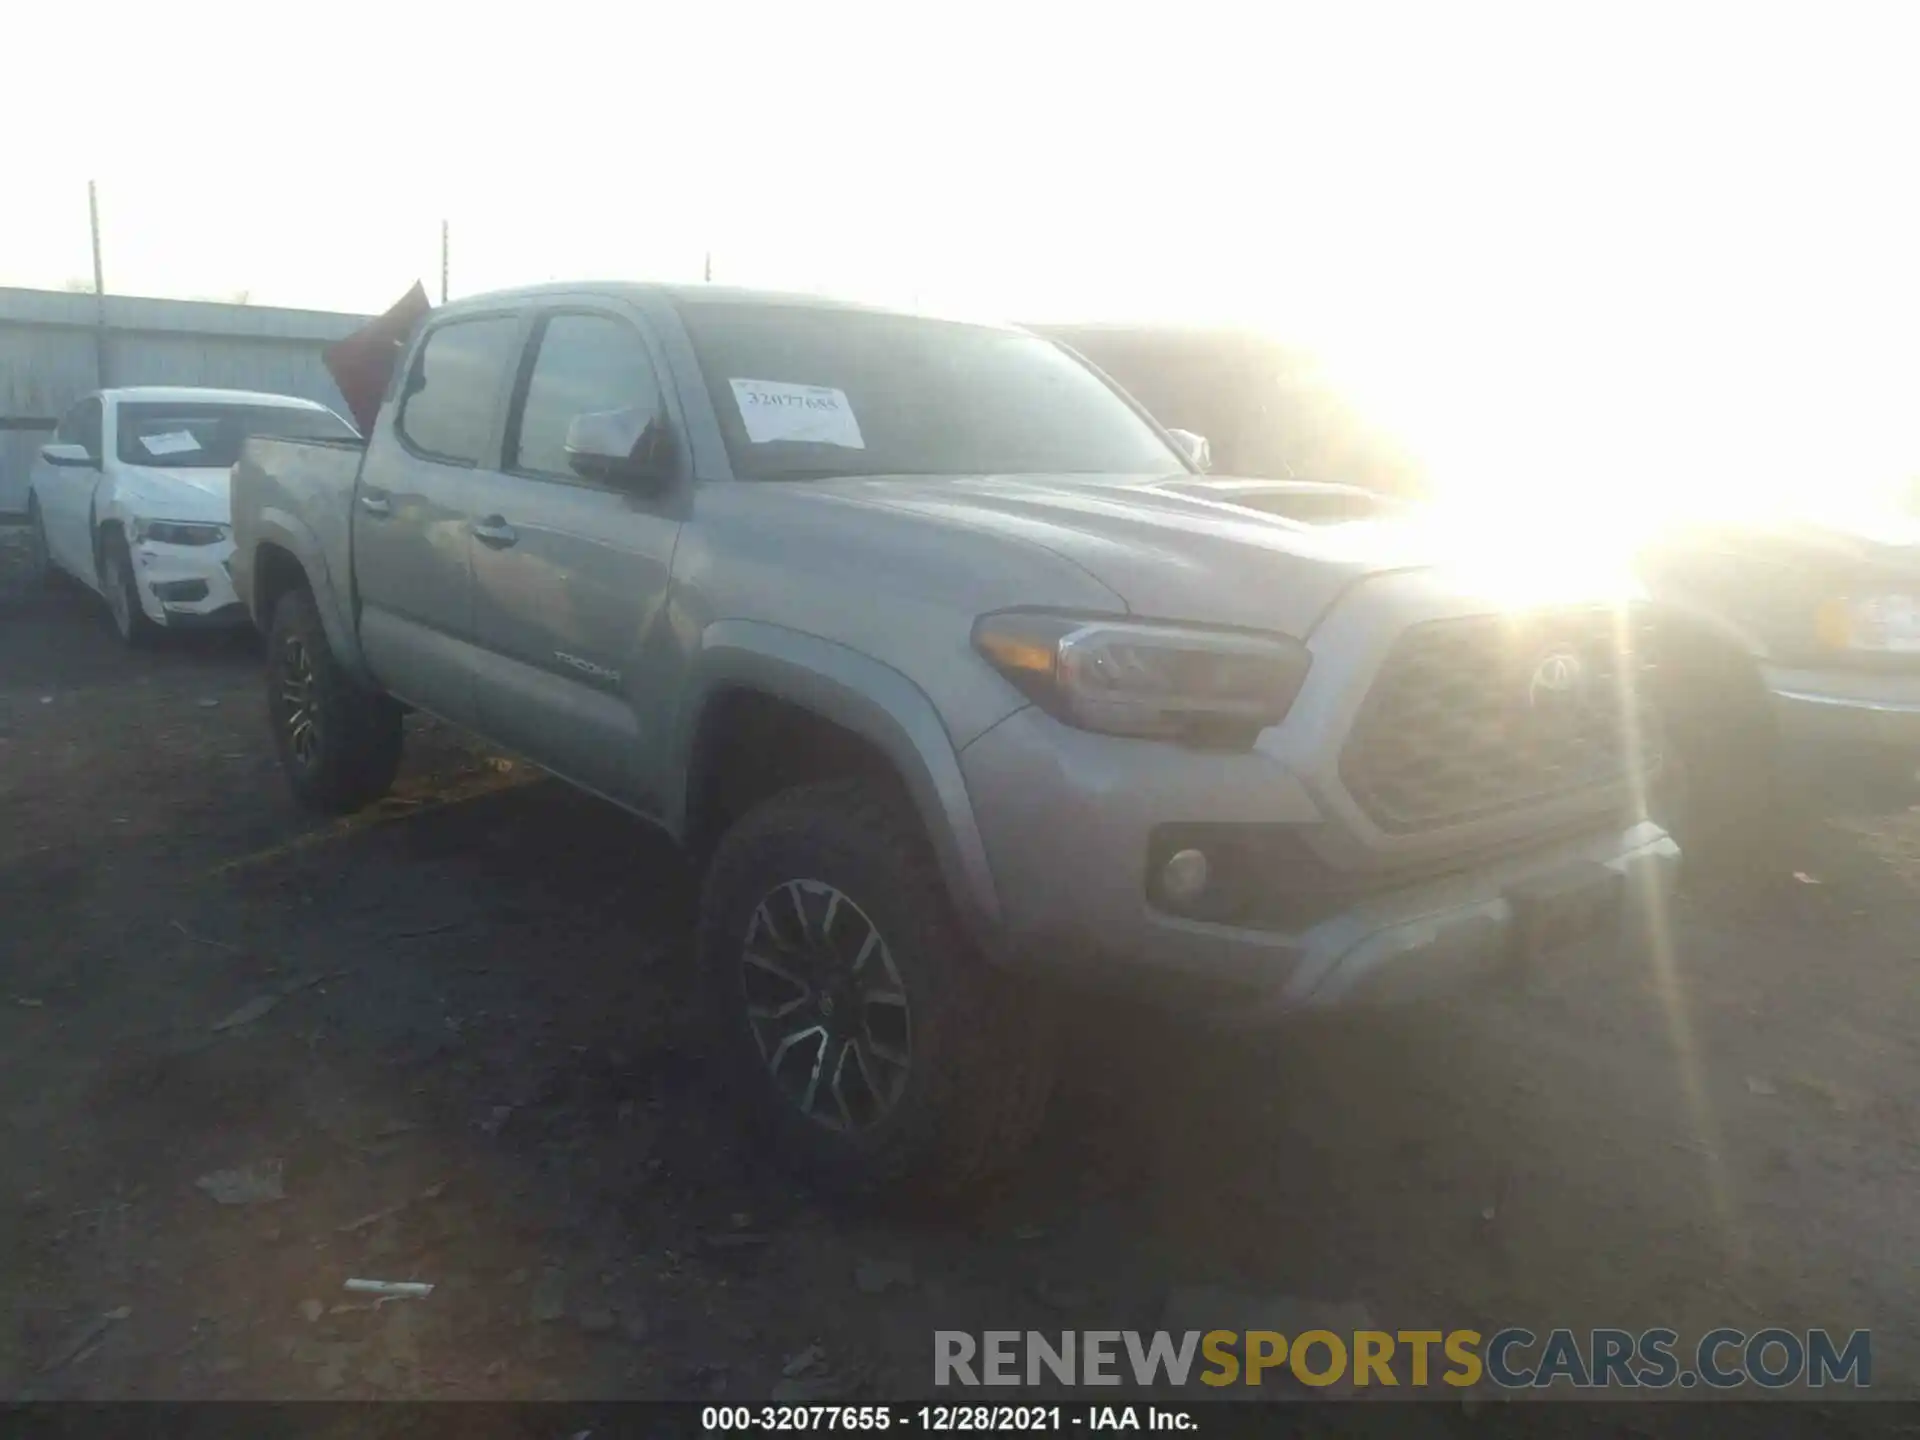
(1264, 408)
(1787, 671)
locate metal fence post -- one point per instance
(99, 292)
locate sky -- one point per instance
(1592, 249)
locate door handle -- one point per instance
(494, 531)
(375, 504)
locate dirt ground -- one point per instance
(453, 1030)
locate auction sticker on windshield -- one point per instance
(174, 442)
(774, 410)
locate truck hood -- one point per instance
(176, 492)
(1187, 547)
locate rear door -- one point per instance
(571, 574)
(414, 504)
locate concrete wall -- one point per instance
(50, 357)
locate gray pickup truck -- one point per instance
(955, 675)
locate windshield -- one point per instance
(808, 391)
(205, 435)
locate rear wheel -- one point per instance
(117, 585)
(339, 743)
(879, 1054)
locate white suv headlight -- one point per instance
(1888, 624)
(1165, 682)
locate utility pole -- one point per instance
(443, 262)
(99, 291)
(707, 274)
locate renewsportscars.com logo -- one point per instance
(1513, 1358)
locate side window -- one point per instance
(81, 426)
(454, 384)
(585, 364)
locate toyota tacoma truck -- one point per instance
(956, 677)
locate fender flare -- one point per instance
(285, 530)
(871, 700)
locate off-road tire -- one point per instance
(122, 594)
(982, 1042)
(355, 739)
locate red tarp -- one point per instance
(362, 363)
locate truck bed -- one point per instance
(297, 495)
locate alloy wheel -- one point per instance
(299, 713)
(826, 1006)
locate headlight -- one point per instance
(1889, 624)
(1164, 682)
(179, 532)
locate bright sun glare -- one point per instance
(1596, 264)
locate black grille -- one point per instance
(1477, 716)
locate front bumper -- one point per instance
(1067, 820)
(1445, 934)
(187, 587)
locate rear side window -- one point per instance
(586, 364)
(454, 386)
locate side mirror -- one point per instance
(69, 457)
(620, 447)
(1194, 447)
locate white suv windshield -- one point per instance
(206, 435)
(807, 390)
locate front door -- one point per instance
(65, 492)
(571, 574)
(413, 506)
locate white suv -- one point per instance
(131, 498)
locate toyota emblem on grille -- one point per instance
(1559, 681)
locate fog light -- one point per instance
(1183, 879)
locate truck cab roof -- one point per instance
(703, 292)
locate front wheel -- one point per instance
(117, 585)
(339, 743)
(880, 1054)
(40, 568)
